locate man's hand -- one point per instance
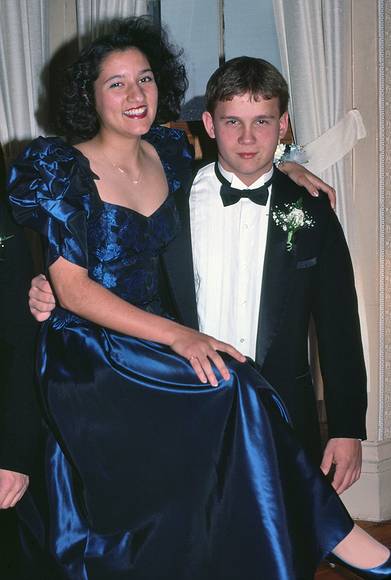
(12, 487)
(346, 455)
(41, 298)
(301, 176)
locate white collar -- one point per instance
(238, 184)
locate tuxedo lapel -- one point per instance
(178, 265)
(279, 266)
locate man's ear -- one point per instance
(284, 123)
(207, 119)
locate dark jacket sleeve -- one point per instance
(19, 412)
(339, 337)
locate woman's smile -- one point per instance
(136, 113)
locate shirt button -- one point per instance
(242, 340)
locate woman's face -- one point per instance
(126, 93)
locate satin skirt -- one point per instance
(151, 475)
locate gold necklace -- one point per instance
(123, 171)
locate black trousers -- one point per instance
(9, 545)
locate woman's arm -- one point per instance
(78, 293)
(301, 176)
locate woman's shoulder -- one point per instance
(42, 146)
(170, 142)
(49, 178)
(52, 150)
(48, 159)
(175, 152)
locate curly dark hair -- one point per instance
(245, 74)
(77, 114)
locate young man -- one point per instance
(235, 274)
(253, 269)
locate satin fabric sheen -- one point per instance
(150, 474)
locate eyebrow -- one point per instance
(119, 76)
(256, 117)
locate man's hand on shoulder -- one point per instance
(41, 298)
(301, 176)
(346, 455)
(12, 487)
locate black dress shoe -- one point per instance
(377, 573)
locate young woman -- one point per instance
(165, 457)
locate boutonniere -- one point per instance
(292, 219)
(3, 239)
(289, 152)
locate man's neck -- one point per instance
(237, 180)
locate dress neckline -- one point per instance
(118, 206)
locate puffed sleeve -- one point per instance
(49, 190)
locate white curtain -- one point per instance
(92, 13)
(315, 38)
(23, 53)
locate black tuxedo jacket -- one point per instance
(19, 414)
(312, 281)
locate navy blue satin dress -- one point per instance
(151, 475)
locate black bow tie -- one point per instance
(230, 195)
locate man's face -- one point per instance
(247, 133)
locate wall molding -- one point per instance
(384, 48)
(369, 498)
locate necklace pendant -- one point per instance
(123, 171)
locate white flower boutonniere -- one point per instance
(289, 152)
(292, 219)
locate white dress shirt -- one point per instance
(228, 246)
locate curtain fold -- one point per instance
(314, 38)
(315, 46)
(336, 142)
(93, 15)
(23, 53)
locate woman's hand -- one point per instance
(41, 298)
(76, 292)
(12, 487)
(201, 351)
(301, 176)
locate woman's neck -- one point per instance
(118, 149)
